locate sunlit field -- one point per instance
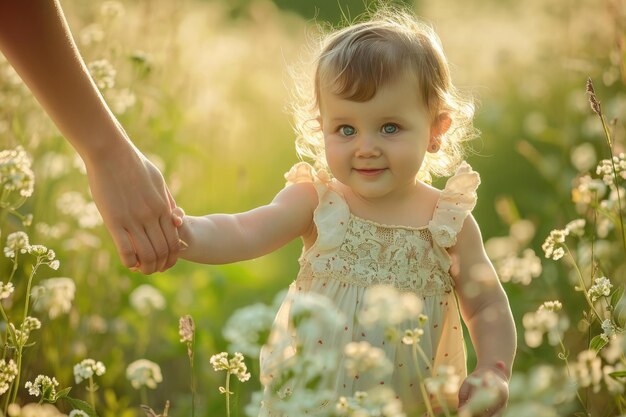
(203, 88)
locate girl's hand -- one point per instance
(484, 393)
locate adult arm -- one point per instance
(129, 190)
(487, 314)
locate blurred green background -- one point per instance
(202, 88)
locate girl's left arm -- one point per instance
(486, 312)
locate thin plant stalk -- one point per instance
(193, 381)
(582, 284)
(19, 345)
(227, 393)
(92, 392)
(429, 407)
(563, 356)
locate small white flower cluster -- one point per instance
(547, 321)
(601, 288)
(43, 386)
(605, 168)
(387, 306)
(576, 227)
(362, 357)
(8, 372)
(378, 402)
(54, 295)
(413, 336)
(23, 334)
(235, 366)
(18, 242)
(246, 330)
(103, 73)
(553, 246)
(609, 330)
(143, 372)
(587, 190)
(87, 368)
(85, 212)
(17, 180)
(445, 384)
(587, 370)
(520, 269)
(121, 100)
(6, 290)
(145, 299)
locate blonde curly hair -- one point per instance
(362, 57)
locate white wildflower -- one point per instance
(546, 321)
(121, 100)
(378, 402)
(17, 242)
(78, 413)
(17, 180)
(54, 296)
(583, 157)
(553, 245)
(601, 288)
(387, 306)
(609, 331)
(6, 290)
(103, 73)
(8, 372)
(247, 329)
(235, 366)
(520, 270)
(87, 368)
(576, 227)
(587, 370)
(145, 299)
(361, 357)
(43, 386)
(143, 372)
(112, 9)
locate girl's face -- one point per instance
(377, 147)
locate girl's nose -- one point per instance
(367, 147)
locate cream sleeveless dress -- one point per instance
(350, 256)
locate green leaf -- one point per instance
(81, 405)
(617, 294)
(597, 343)
(618, 374)
(63, 393)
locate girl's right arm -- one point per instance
(226, 238)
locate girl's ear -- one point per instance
(439, 127)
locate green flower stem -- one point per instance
(227, 393)
(190, 348)
(607, 134)
(92, 392)
(563, 356)
(427, 403)
(143, 394)
(582, 284)
(20, 346)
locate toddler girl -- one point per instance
(383, 117)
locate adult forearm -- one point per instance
(37, 41)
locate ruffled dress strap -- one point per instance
(456, 201)
(332, 214)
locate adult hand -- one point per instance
(484, 393)
(136, 206)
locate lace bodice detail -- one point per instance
(363, 253)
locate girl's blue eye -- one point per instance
(390, 128)
(346, 130)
